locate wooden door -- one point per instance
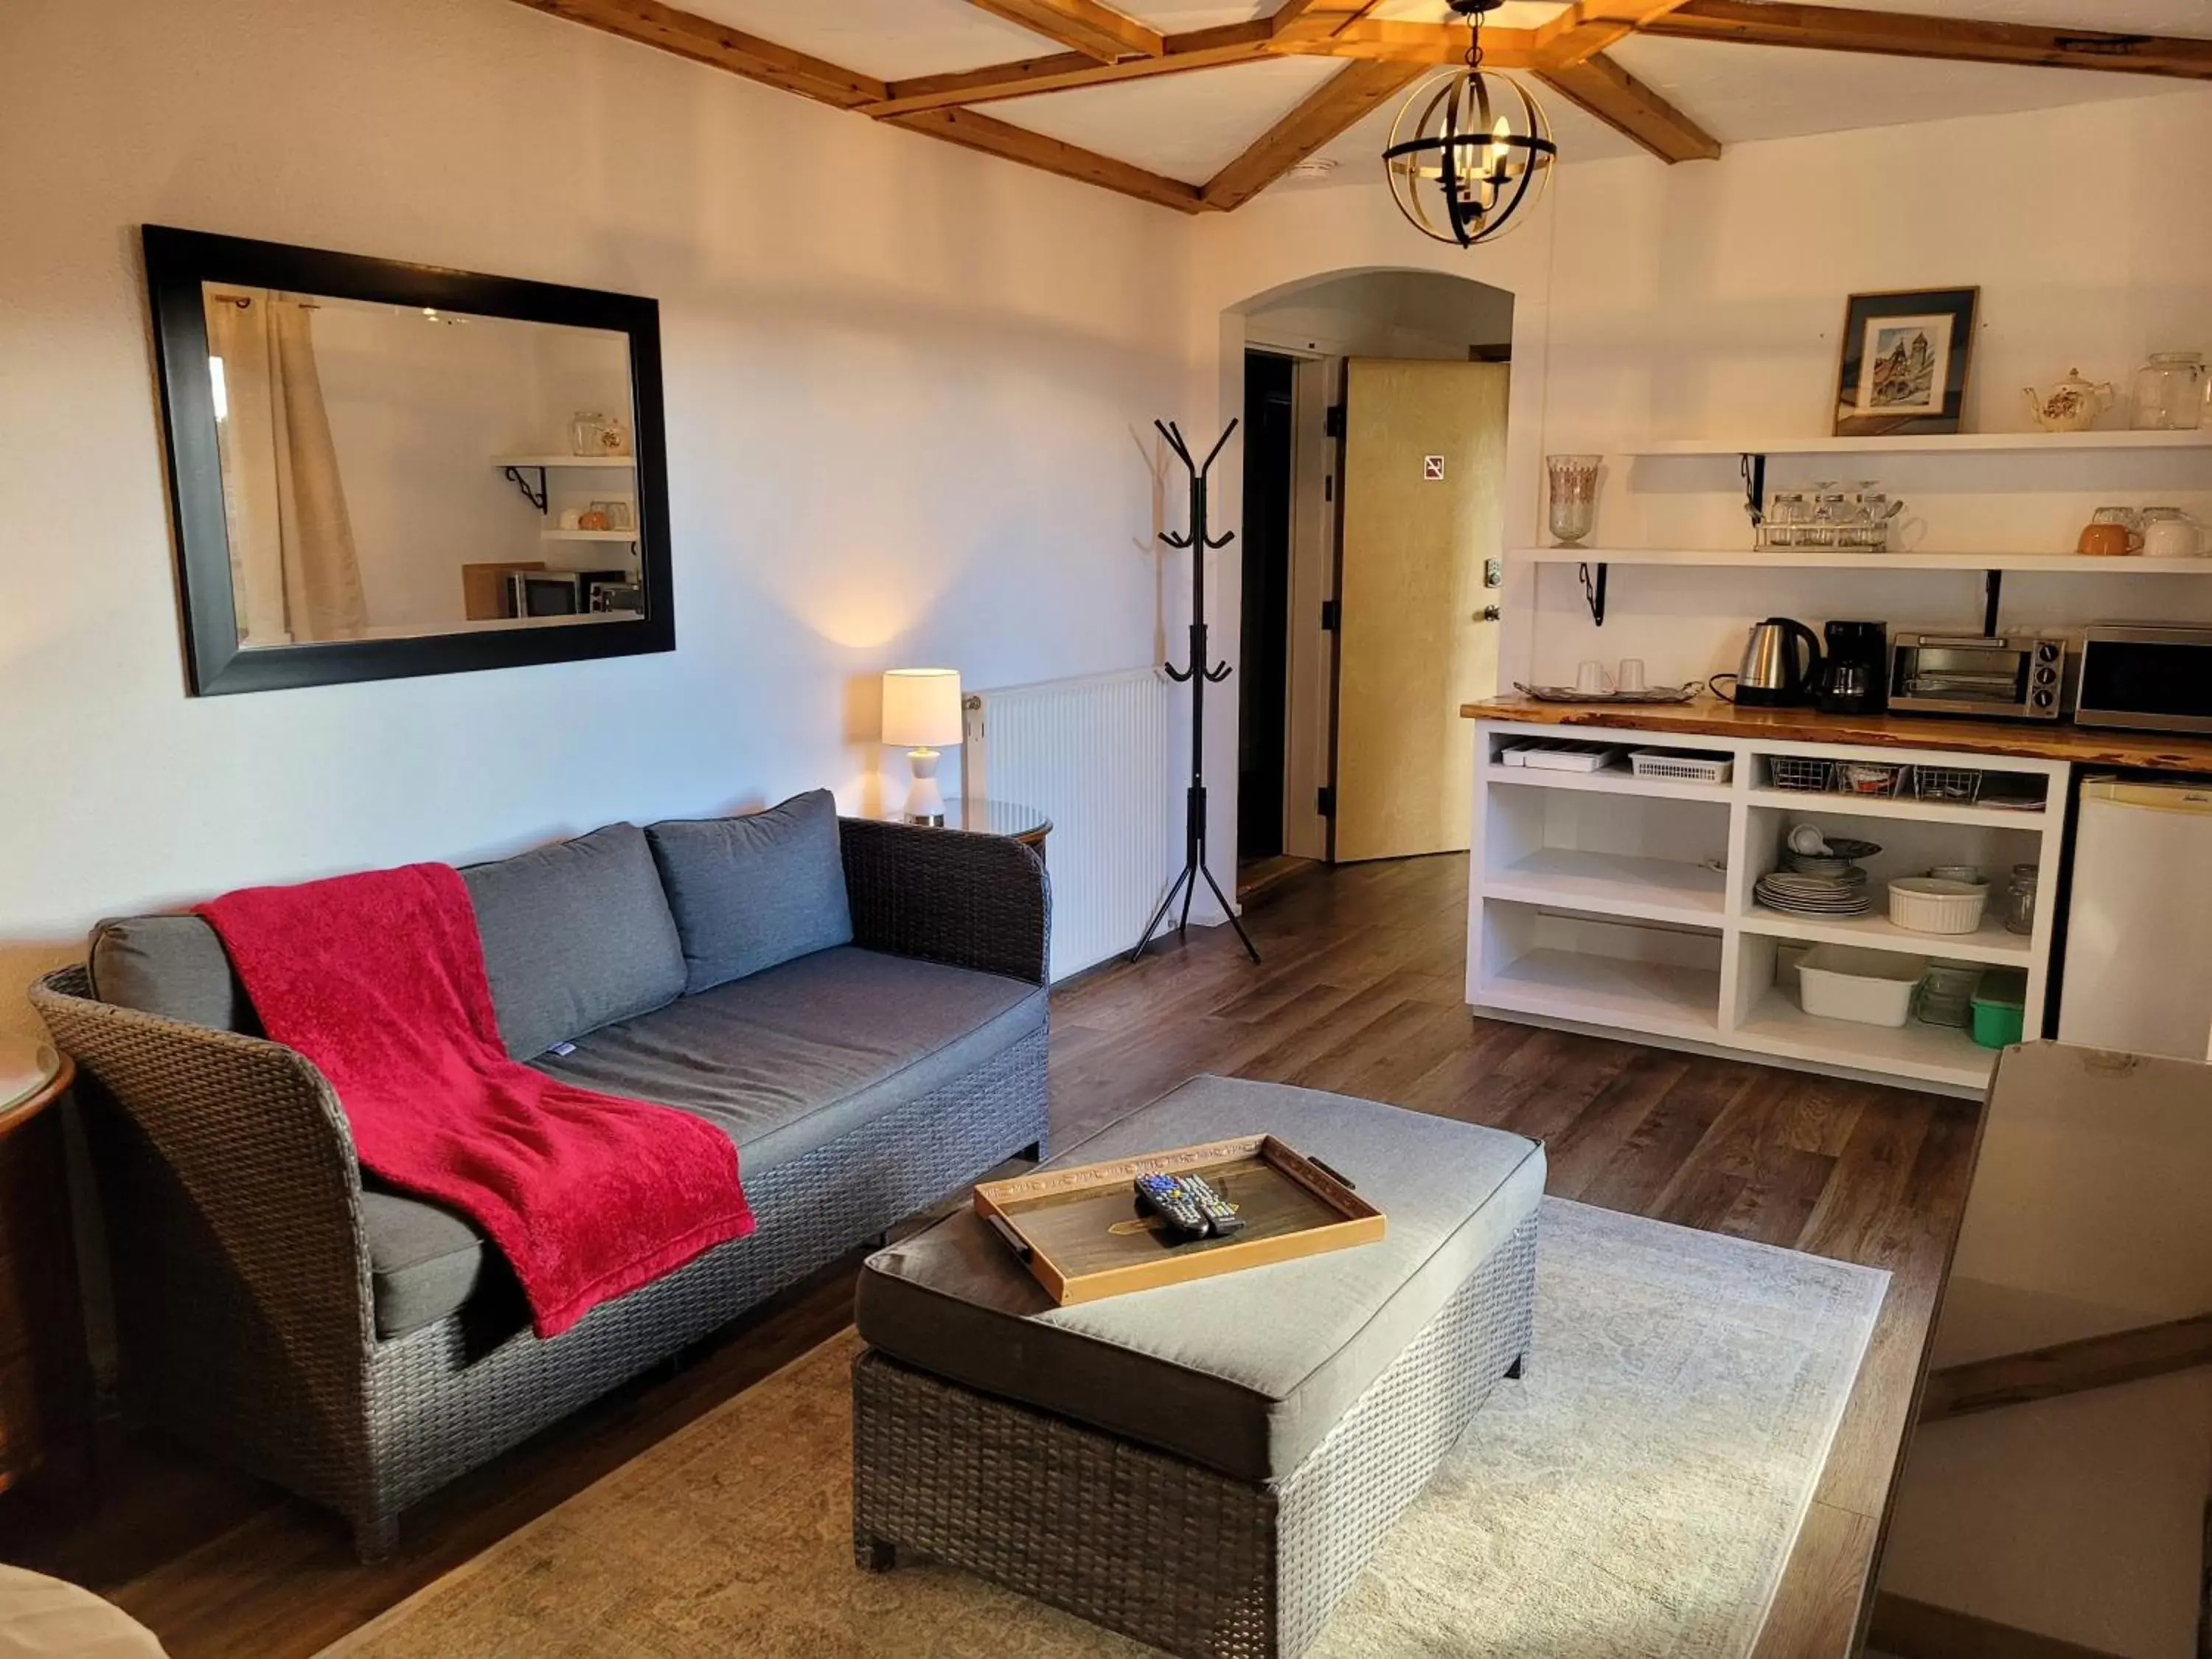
(1423, 510)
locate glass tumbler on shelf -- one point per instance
(587, 432)
(1573, 495)
(2169, 392)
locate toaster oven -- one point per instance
(2024, 677)
(2146, 676)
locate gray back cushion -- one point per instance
(750, 892)
(577, 936)
(173, 966)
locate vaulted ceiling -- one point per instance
(1200, 105)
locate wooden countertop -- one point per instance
(1710, 717)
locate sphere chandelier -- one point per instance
(1468, 150)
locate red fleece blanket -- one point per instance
(380, 979)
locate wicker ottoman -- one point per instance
(1206, 1466)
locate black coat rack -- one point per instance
(1201, 675)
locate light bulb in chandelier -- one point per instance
(1468, 151)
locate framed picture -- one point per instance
(1904, 361)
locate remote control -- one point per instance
(1220, 1219)
(1168, 1198)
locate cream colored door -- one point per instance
(1423, 509)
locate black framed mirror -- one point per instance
(380, 469)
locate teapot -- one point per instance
(2071, 405)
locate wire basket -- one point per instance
(1800, 772)
(1676, 764)
(1950, 783)
(1875, 778)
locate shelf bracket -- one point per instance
(1594, 592)
(1992, 595)
(536, 497)
(1753, 467)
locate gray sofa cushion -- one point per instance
(576, 935)
(423, 1261)
(783, 1062)
(173, 966)
(788, 1060)
(750, 892)
(1246, 1372)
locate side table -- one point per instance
(44, 1372)
(981, 816)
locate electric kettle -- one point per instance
(1771, 677)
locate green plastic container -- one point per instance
(2000, 1007)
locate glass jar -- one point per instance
(2020, 900)
(2169, 392)
(587, 432)
(1573, 495)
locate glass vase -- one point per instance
(1573, 481)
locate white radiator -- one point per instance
(1103, 757)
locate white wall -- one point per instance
(908, 404)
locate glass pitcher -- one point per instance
(2169, 392)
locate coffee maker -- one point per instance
(1855, 669)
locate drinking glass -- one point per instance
(1573, 495)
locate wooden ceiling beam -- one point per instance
(1327, 110)
(972, 130)
(1199, 49)
(1315, 20)
(1624, 103)
(719, 47)
(1083, 26)
(1588, 27)
(1436, 44)
(1955, 39)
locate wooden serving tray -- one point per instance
(1080, 1232)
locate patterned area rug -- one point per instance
(1638, 1495)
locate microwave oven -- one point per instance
(2026, 677)
(2146, 676)
(557, 593)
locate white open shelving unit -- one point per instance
(1608, 903)
(1925, 443)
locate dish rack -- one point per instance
(1685, 765)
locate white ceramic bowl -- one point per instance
(1930, 904)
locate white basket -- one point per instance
(1689, 767)
(1869, 988)
(1931, 904)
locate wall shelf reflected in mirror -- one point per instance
(380, 469)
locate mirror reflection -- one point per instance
(394, 470)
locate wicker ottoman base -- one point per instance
(1164, 1550)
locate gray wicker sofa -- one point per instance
(362, 1348)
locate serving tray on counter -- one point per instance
(1080, 1233)
(1651, 694)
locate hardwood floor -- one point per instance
(1360, 990)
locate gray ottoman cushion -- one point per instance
(576, 935)
(1246, 1372)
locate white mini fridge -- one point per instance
(2138, 974)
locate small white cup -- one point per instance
(1590, 677)
(1631, 674)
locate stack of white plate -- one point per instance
(1820, 892)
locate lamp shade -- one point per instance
(921, 707)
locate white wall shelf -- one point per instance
(596, 462)
(588, 535)
(1590, 905)
(2061, 564)
(1953, 443)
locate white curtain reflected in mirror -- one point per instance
(392, 471)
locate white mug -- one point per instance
(1631, 674)
(2170, 539)
(1590, 677)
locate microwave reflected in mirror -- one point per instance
(392, 471)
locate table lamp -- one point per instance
(921, 710)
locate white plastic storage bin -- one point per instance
(1688, 765)
(1871, 987)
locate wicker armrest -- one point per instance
(974, 900)
(226, 1163)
